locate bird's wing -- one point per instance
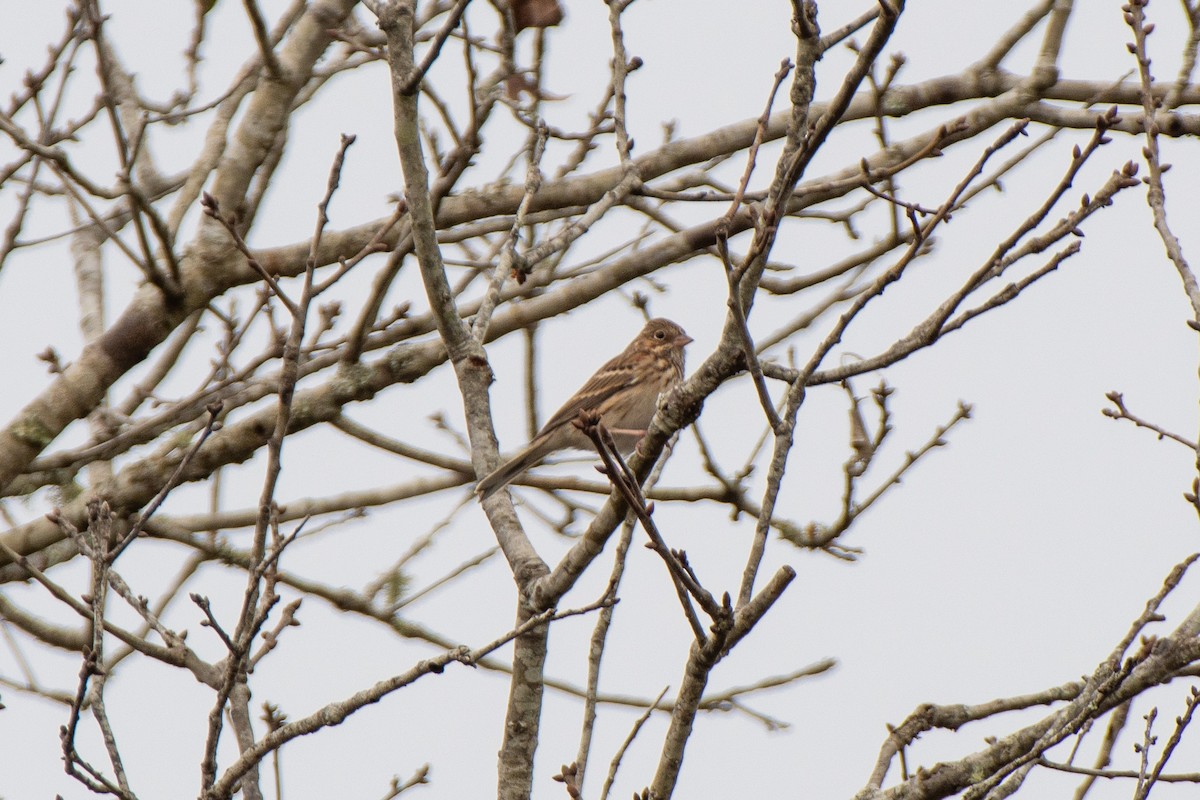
(608, 380)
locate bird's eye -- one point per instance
(660, 335)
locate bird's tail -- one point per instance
(510, 470)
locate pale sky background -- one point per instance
(1011, 561)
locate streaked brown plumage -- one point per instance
(624, 391)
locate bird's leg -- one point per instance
(627, 439)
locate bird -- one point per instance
(624, 392)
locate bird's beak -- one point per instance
(683, 339)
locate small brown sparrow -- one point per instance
(624, 392)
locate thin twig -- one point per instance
(214, 411)
(615, 764)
